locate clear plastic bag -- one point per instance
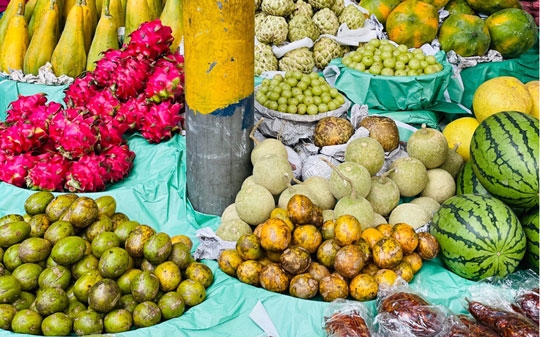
(403, 312)
(344, 318)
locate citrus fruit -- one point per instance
(503, 93)
(459, 132)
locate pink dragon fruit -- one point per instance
(111, 132)
(103, 103)
(48, 173)
(119, 159)
(106, 67)
(132, 111)
(88, 174)
(161, 122)
(167, 79)
(81, 91)
(22, 137)
(15, 168)
(24, 106)
(74, 135)
(152, 39)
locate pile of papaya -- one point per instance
(72, 35)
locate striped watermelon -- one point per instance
(530, 226)
(467, 182)
(480, 236)
(504, 156)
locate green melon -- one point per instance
(530, 226)
(467, 182)
(479, 236)
(504, 156)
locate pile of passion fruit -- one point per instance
(74, 265)
(298, 253)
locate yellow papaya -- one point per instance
(68, 4)
(106, 37)
(137, 12)
(15, 42)
(29, 9)
(117, 11)
(69, 55)
(42, 7)
(43, 42)
(89, 22)
(99, 6)
(155, 8)
(11, 11)
(172, 16)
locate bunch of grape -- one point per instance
(298, 93)
(382, 57)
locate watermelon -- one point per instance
(467, 182)
(479, 236)
(530, 226)
(504, 156)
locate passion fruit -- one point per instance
(193, 292)
(248, 272)
(303, 286)
(136, 239)
(295, 260)
(249, 247)
(144, 286)
(228, 261)
(387, 253)
(7, 312)
(88, 322)
(51, 300)
(363, 287)
(146, 314)
(118, 320)
(54, 276)
(157, 248)
(171, 305)
(274, 278)
(104, 295)
(332, 287)
(27, 321)
(57, 324)
(113, 262)
(275, 235)
(169, 275)
(198, 271)
(299, 209)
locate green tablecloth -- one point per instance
(154, 194)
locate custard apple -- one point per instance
(338, 7)
(272, 30)
(300, 59)
(327, 21)
(259, 18)
(277, 7)
(319, 4)
(265, 60)
(302, 8)
(325, 50)
(353, 17)
(301, 26)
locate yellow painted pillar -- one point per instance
(219, 85)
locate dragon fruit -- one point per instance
(22, 137)
(163, 119)
(15, 168)
(111, 132)
(23, 107)
(103, 103)
(167, 79)
(80, 91)
(48, 172)
(152, 39)
(74, 135)
(88, 174)
(132, 111)
(119, 159)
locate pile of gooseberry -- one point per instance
(297, 93)
(383, 57)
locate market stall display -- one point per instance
(360, 197)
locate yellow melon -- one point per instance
(503, 93)
(532, 86)
(459, 132)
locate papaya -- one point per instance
(68, 4)
(467, 35)
(489, 7)
(15, 43)
(69, 55)
(89, 22)
(172, 16)
(137, 12)
(155, 7)
(413, 23)
(29, 9)
(117, 11)
(42, 7)
(99, 6)
(42, 44)
(380, 8)
(106, 37)
(11, 10)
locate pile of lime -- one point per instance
(74, 265)
(383, 57)
(297, 93)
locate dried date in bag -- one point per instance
(404, 313)
(347, 319)
(464, 326)
(506, 323)
(528, 302)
